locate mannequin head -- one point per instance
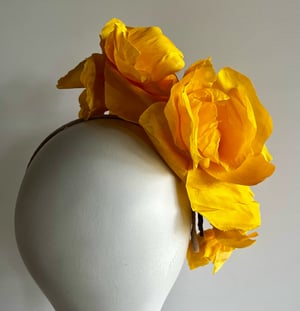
(101, 222)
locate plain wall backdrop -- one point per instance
(41, 40)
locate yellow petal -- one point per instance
(179, 116)
(84, 112)
(72, 78)
(208, 136)
(200, 75)
(109, 37)
(251, 172)
(123, 98)
(226, 206)
(210, 250)
(221, 256)
(90, 75)
(229, 79)
(161, 89)
(192, 114)
(234, 238)
(155, 124)
(141, 54)
(237, 128)
(119, 50)
(266, 154)
(159, 57)
(198, 259)
(92, 78)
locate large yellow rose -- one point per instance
(220, 123)
(212, 133)
(217, 122)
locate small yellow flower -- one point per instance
(216, 247)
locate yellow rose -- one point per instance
(137, 68)
(212, 133)
(140, 68)
(141, 54)
(219, 122)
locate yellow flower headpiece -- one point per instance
(210, 128)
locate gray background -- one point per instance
(40, 40)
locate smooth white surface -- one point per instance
(41, 40)
(101, 222)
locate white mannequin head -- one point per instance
(101, 222)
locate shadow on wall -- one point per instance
(27, 113)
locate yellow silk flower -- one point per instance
(218, 128)
(210, 128)
(216, 246)
(136, 69)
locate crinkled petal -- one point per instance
(229, 79)
(235, 238)
(179, 116)
(237, 128)
(226, 206)
(119, 49)
(208, 136)
(142, 54)
(197, 259)
(155, 124)
(251, 172)
(210, 250)
(192, 116)
(159, 57)
(221, 256)
(92, 101)
(123, 98)
(161, 89)
(72, 78)
(88, 74)
(110, 36)
(199, 75)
